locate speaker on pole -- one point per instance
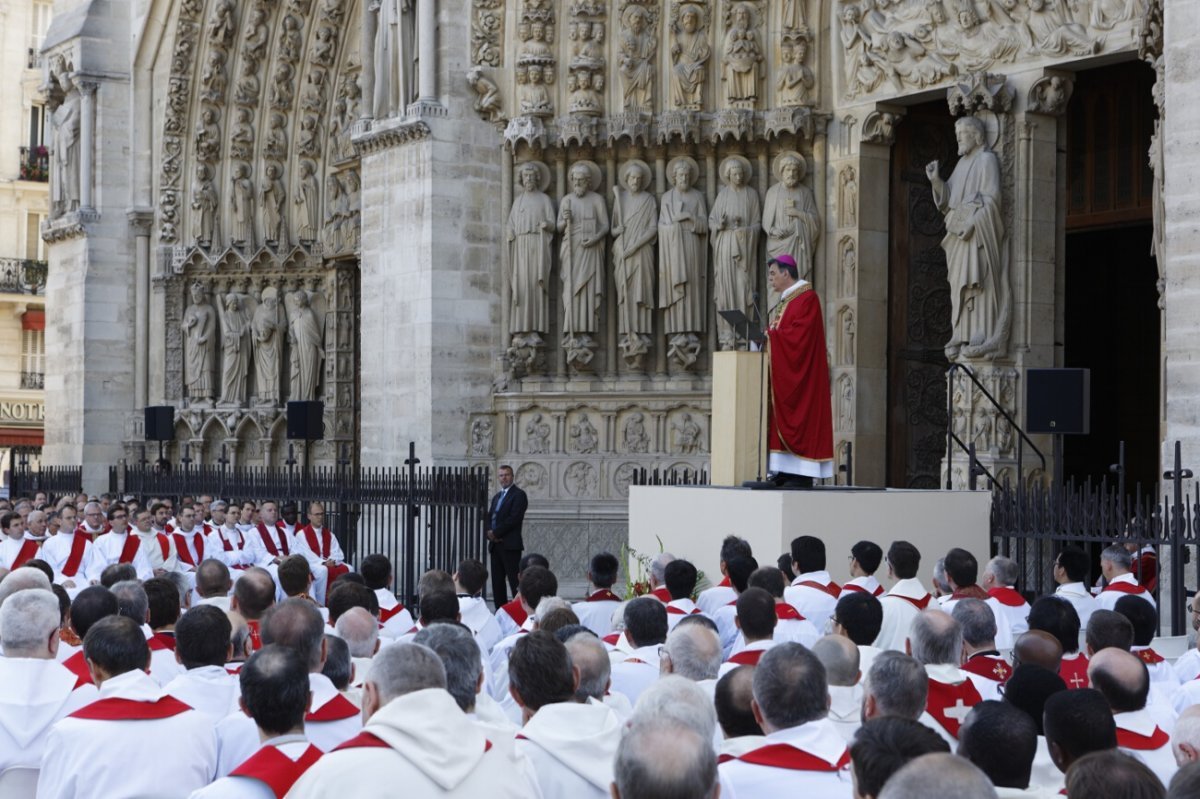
(1058, 401)
(304, 420)
(160, 422)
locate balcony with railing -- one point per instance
(22, 276)
(35, 164)
(33, 380)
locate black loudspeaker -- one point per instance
(1058, 401)
(304, 420)
(160, 423)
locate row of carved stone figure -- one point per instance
(679, 224)
(583, 437)
(250, 336)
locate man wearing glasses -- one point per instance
(119, 546)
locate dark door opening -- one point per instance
(1111, 315)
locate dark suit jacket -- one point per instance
(509, 519)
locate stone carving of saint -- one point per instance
(395, 57)
(276, 139)
(205, 207)
(741, 59)
(282, 87)
(530, 234)
(591, 53)
(980, 304)
(682, 247)
(638, 46)
(735, 220)
(221, 26)
(257, 35)
(635, 226)
(1054, 33)
(243, 208)
(863, 71)
(795, 16)
(790, 217)
(909, 63)
(274, 203)
(308, 198)
(636, 440)
(268, 330)
(687, 435)
(290, 40)
(534, 94)
(66, 142)
(242, 139)
(247, 89)
(584, 436)
(207, 136)
(308, 347)
(537, 436)
(199, 339)
(585, 95)
(689, 56)
(235, 351)
(213, 78)
(848, 198)
(482, 433)
(583, 221)
(795, 80)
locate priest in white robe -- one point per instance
(83, 756)
(202, 647)
(119, 545)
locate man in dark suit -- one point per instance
(506, 514)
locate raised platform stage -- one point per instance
(691, 521)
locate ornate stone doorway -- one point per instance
(919, 302)
(1111, 314)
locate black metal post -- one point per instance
(847, 467)
(1118, 469)
(1178, 594)
(971, 461)
(950, 427)
(410, 525)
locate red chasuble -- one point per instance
(801, 415)
(275, 769)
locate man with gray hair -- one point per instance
(839, 656)
(331, 719)
(802, 751)
(133, 603)
(1116, 564)
(37, 690)
(658, 577)
(360, 630)
(1012, 611)
(22, 579)
(460, 656)
(692, 651)
(896, 685)
(939, 774)
(674, 697)
(936, 642)
(418, 740)
(664, 758)
(978, 622)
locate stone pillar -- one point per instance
(87, 141)
(427, 47)
(429, 279)
(140, 223)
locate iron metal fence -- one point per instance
(420, 517)
(1031, 524)
(54, 480)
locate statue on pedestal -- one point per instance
(682, 248)
(735, 220)
(690, 55)
(199, 339)
(790, 217)
(635, 227)
(67, 119)
(308, 347)
(583, 221)
(205, 206)
(530, 233)
(235, 350)
(267, 329)
(980, 302)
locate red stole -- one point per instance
(90, 535)
(269, 542)
(994, 668)
(800, 419)
(785, 612)
(919, 604)
(725, 583)
(604, 595)
(1133, 740)
(75, 559)
(1124, 588)
(27, 553)
(674, 611)
(612, 638)
(225, 542)
(164, 546)
(386, 614)
(515, 611)
(255, 635)
(859, 589)
(77, 665)
(1149, 656)
(949, 704)
(1007, 596)
(161, 641)
(335, 709)
(278, 771)
(130, 550)
(1073, 671)
(833, 589)
(323, 550)
(970, 592)
(747, 657)
(661, 594)
(181, 547)
(115, 709)
(789, 757)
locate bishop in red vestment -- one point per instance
(800, 421)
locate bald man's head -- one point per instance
(1185, 738)
(840, 657)
(360, 630)
(253, 593)
(1121, 677)
(936, 638)
(1038, 648)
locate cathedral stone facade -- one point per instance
(504, 229)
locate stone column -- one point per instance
(366, 49)
(140, 223)
(87, 141)
(427, 47)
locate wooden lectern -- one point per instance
(739, 419)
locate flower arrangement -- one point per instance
(35, 164)
(638, 584)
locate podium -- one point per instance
(739, 419)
